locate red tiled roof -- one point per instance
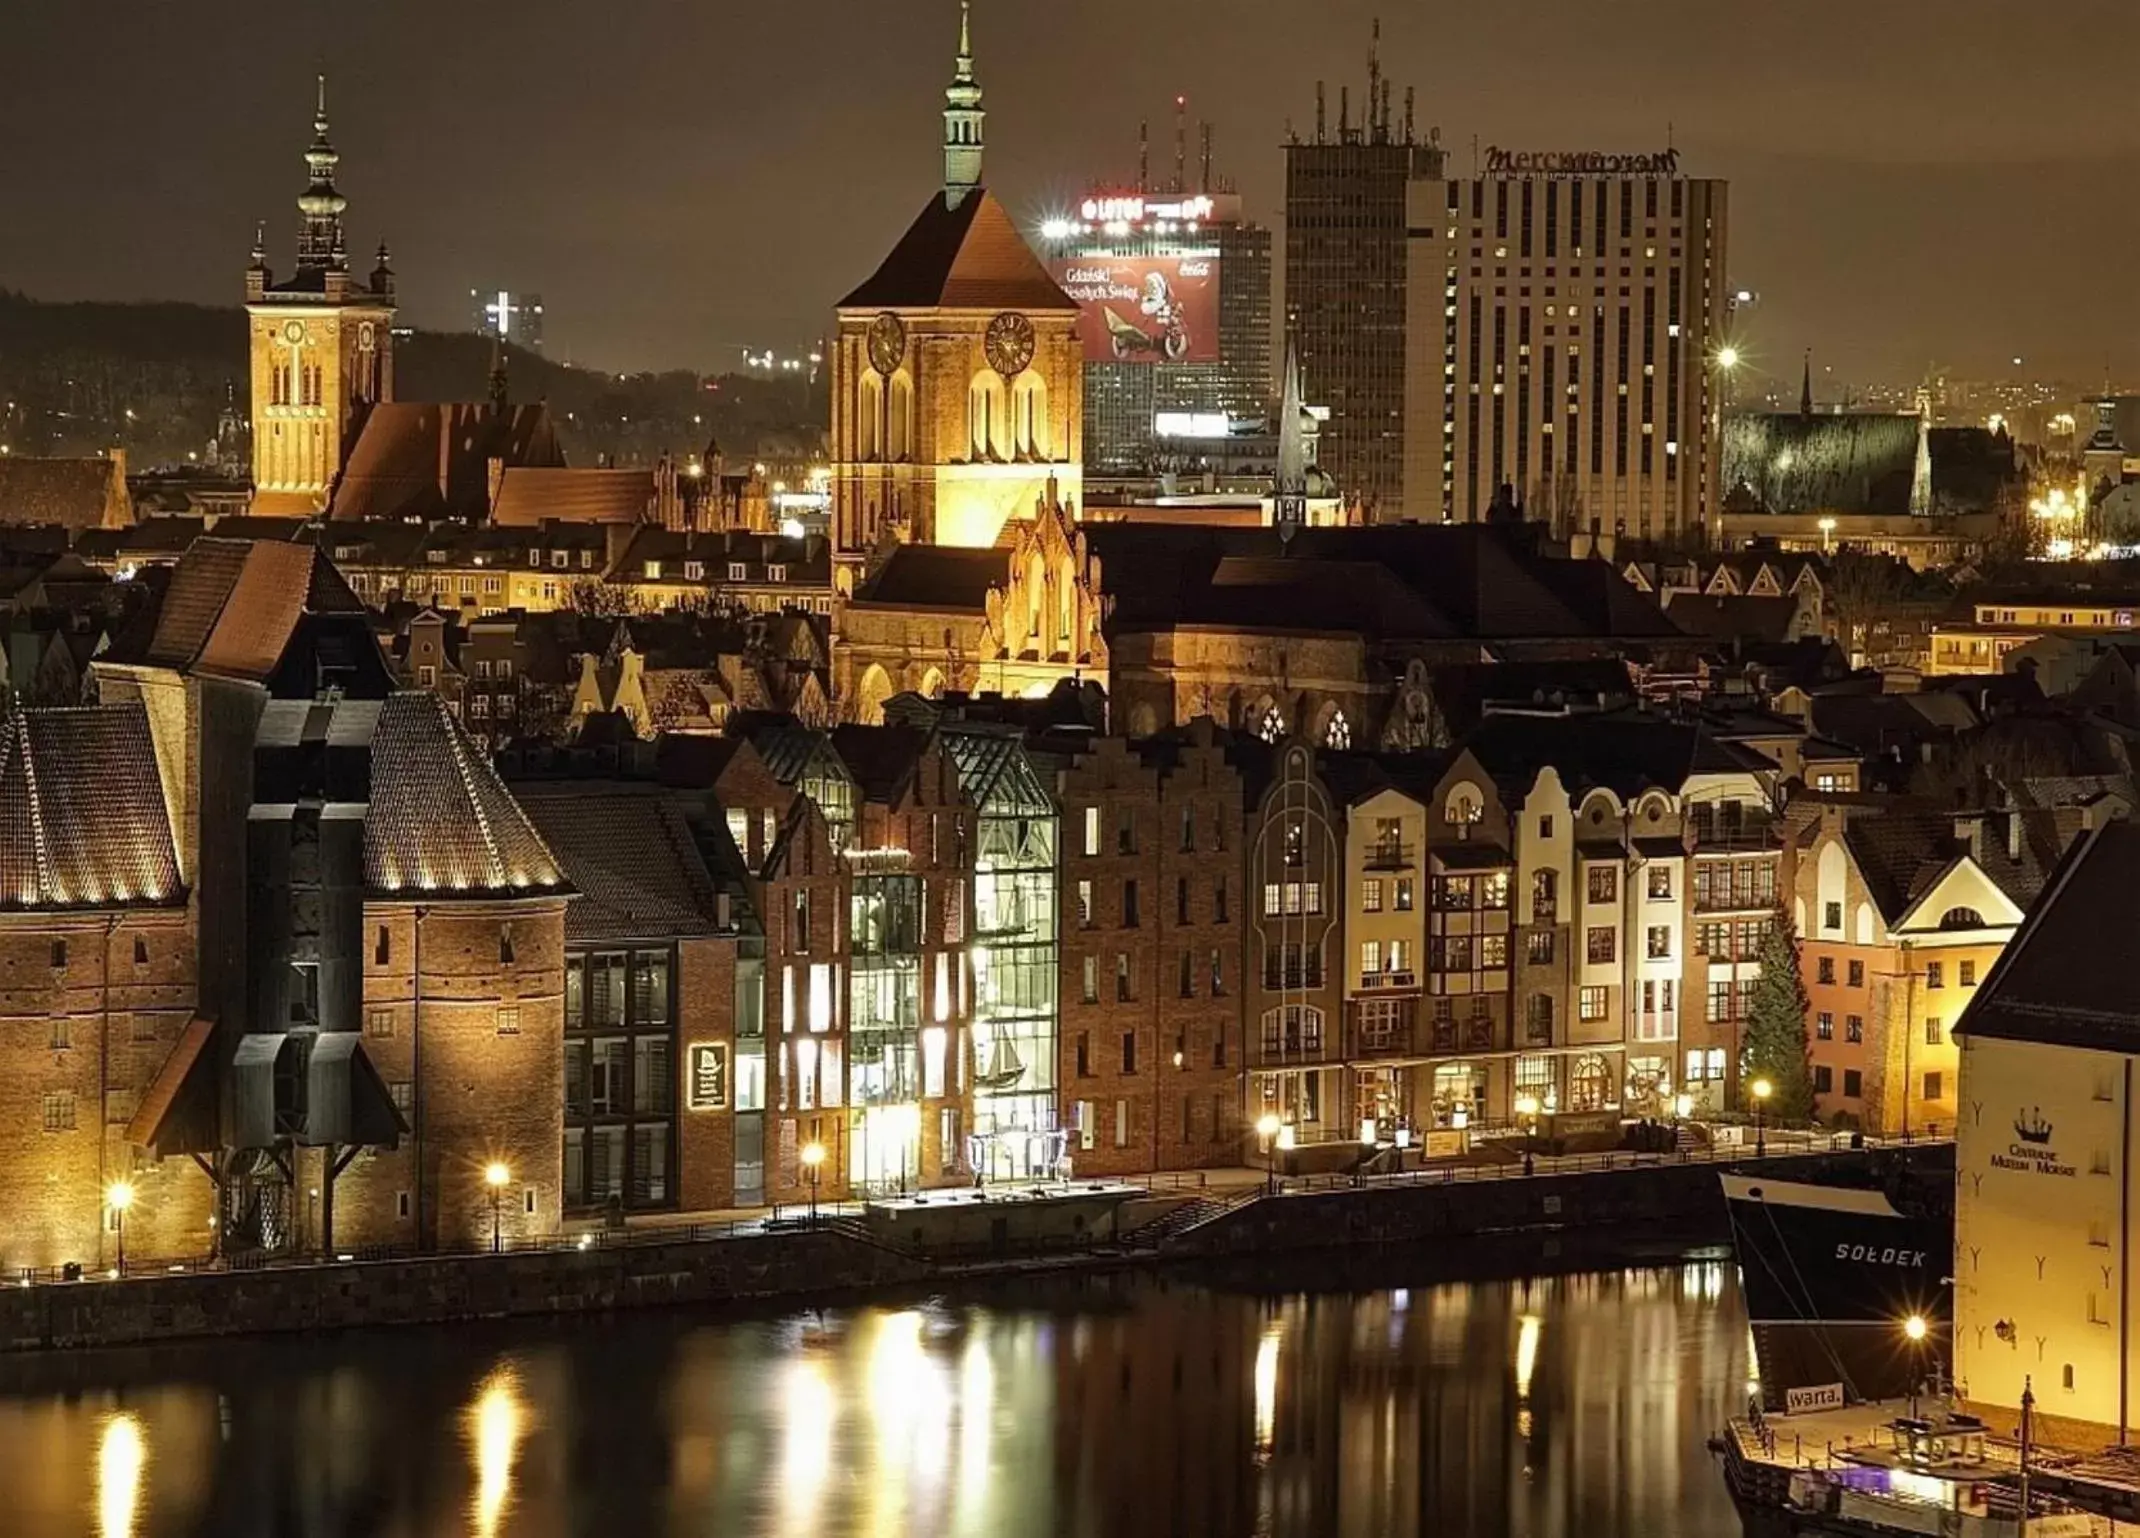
(966, 258)
(233, 605)
(425, 460)
(530, 494)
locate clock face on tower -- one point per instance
(294, 332)
(887, 343)
(1010, 344)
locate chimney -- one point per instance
(1321, 112)
(2013, 833)
(1969, 829)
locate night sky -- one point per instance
(1913, 183)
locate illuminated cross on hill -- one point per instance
(501, 311)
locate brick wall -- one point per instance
(483, 1086)
(80, 1044)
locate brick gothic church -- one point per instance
(957, 374)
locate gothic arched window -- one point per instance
(1338, 734)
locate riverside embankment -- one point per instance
(841, 1259)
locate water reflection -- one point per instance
(122, 1455)
(1110, 1409)
(494, 1430)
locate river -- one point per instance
(1099, 1408)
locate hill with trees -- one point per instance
(79, 378)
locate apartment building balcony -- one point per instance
(1746, 835)
(1276, 979)
(1389, 982)
(1479, 1034)
(1383, 1028)
(1388, 854)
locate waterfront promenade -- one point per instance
(857, 1249)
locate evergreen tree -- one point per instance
(1776, 1027)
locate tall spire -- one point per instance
(320, 246)
(1290, 506)
(964, 118)
(1805, 388)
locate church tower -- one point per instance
(957, 373)
(322, 345)
(965, 119)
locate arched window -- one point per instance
(869, 424)
(874, 688)
(985, 417)
(1270, 726)
(1338, 734)
(1538, 1020)
(1293, 1030)
(1590, 1083)
(899, 429)
(1961, 918)
(1029, 415)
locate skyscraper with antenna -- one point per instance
(1345, 289)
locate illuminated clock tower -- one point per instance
(957, 373)
(322, 347)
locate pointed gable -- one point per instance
(968, 257)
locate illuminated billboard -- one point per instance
(1145, 309)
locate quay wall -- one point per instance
(836, 1262)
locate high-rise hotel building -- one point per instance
(1580, 300)
(1175, 290)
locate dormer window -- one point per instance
(653, 571)
(560, 559)
(535, 558)
(694, 571)
(586, 560)
(738, 572)
(435, 557)
(776, 574)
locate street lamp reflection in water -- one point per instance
(496, 1422)
(122, 1457)
(1267, 1389)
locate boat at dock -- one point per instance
(1832, 1277)
(1879, 1469)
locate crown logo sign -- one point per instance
(2031, 1127)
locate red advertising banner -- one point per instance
(1145, 309)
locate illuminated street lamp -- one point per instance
(1527, 1109)
(813, 1155)
(496, 1175)
(120, 1197)
(1267, 1131)
(1914, 1330)
(1762, 1090)
(1728, 359)
(1827, 536)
